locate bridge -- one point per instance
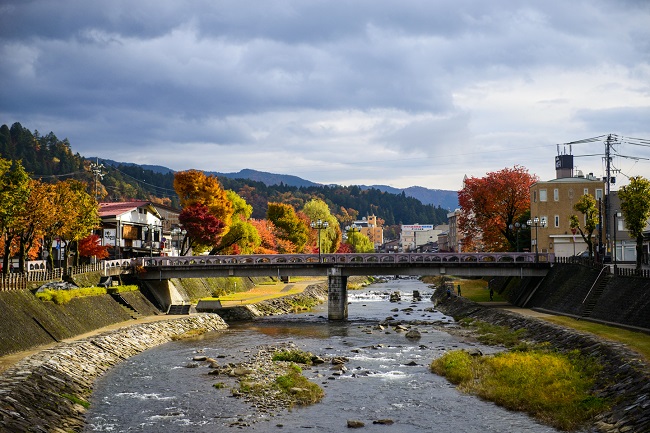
(338, 267)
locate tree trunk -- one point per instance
(6, 258)
(639, 252)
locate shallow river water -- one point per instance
(387, 377)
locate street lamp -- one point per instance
(516, 227)
(319, 225)
(179, 234)
(536, 222)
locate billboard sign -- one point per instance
(109, 237)
(417, 227)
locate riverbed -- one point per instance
(387, 377)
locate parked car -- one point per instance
(583, 254)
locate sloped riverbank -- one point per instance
(625, 378)
(46, 392)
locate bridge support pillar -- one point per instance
(337, 291)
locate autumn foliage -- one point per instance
(203, 228)
(91, 246)
(490, 204)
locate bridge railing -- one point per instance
(351, 258)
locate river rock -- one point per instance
(353, 423)
(413, 334)
(383, 421)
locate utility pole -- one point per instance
(97, 173)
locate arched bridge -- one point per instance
(338, 267)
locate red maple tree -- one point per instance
(203, 228)
(90, 246)
(490, 204)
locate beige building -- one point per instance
(553, 201)
(454, 237)
(369, 227)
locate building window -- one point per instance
(557, 221)
(556, 194)
(542, 195)
(599, 194)
(586, 191)
(534, 196)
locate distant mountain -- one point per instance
(155, 168)
(437, 197)
(268, 178)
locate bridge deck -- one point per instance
(461, 264)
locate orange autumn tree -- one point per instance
(91, 246)
(490, 204)
(198, 191)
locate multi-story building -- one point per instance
(552, 201)
(369, 227)
(454, 237)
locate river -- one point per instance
(387, 377)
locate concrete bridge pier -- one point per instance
(337, 291)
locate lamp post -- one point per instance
(516, 227)
(319, 225)
(351, 229)
(179, 234)
(536, 222)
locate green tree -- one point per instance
(587, 206)
(635, 206)
(288, 224)
(360, 243)
(14, 194)
(242, 238)
(330, 237)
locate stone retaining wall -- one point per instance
(33, 392)
(625, 376)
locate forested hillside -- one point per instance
(50, 158)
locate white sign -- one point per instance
(418, 227)
(109, 237)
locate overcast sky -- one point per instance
(348, 92)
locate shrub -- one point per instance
(302, 391)
(297, 356)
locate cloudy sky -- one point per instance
(348, 92)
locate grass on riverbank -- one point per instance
(474, 289)
(61, 297)
(637, 341)
(553, 387)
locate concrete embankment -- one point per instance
(46, 391)
(312, 295)
(625, 378)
